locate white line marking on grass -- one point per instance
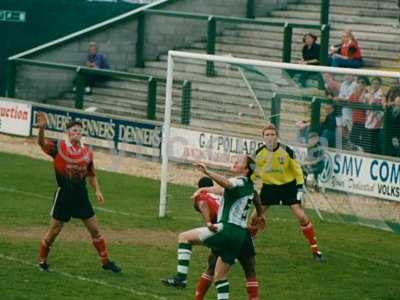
(370, 260)
(12, 190)
(86, 279)
(122, 213)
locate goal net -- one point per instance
(333, 118)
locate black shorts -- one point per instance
(248, 248)
(277, 194)
(69, 204)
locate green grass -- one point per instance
(362, 263)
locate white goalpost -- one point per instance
(251, 85)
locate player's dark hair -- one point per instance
(205, 182)
(251, 166)
(313, 36)
(73, 123)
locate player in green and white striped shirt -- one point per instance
(226, 237)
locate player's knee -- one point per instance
(303, 220)
(210, 272)
(50, 237)
(53, 232)
(46, 241)
(95, 233)
(218, 276)
(183, 238)
(251, 273)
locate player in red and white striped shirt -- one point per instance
(73, 163)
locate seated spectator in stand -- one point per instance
(357, 134)
(311, 50)
(374, 120)
(310, 56)
(94, 60)
(347, 54)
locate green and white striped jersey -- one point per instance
(235, 203)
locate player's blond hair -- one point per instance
(270, 126)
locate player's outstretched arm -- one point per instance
(217, 190)
(219, 179)
(258, 205)
(95, 185)
(257, 219)
(205, 212)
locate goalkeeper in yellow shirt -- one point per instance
(282, 181)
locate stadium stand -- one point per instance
(377, 36)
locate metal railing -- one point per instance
(81, 72)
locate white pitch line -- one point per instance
(12, 190)
(370, 260)
(86, 279)
(113, 211)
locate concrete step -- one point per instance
(362, 11)
(334, 18)
(375, 4)
(356, 27)
(250, 37)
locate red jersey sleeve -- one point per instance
(50, 148)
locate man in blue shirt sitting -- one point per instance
(94, 60)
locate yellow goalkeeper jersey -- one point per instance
(277, 167)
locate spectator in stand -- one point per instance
(94, 60)
(327, 130)
(311, 50)
(328, 126)
(332, 87)
(310, 56)
(374, 120)
(344, 114)
(347, 54)
(357, 134)
(392, 100)
(392, 93)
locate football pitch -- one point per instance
(362, 263)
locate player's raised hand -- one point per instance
(258, 222)
(41, 120)
(99, 197)
(201, 167)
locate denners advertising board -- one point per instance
(99, 130)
